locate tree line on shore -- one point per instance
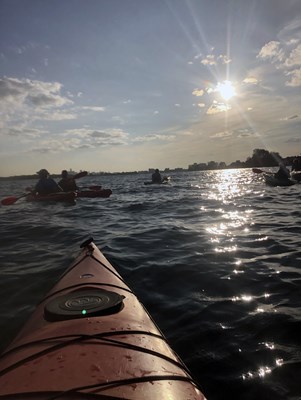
(259, 158)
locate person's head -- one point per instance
(64, 174)
(43, 173)
(157, 170)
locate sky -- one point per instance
(128, 85)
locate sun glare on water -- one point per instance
(226, 90)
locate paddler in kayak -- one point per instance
(156, 177)
(67, 183)
(296, 164)
(46, 185)
(283, 173)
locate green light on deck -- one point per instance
(84, 312)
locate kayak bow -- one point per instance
(91, 338)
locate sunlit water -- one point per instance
(214, 256)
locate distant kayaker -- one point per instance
(156, 177)
(283, 173)
(296, 164)
(67, 183)
(46, 184)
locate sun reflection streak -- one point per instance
(260, 373)
(244, 297)
(229, 186)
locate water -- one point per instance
(214, 257)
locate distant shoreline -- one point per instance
(93, 174)
(260, 158)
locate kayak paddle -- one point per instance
(260, 171)
(11, 200)
(79, 175)
(95, 187)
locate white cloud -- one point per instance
(216, 108)
(224, 134)
(294, 57)
(154, 137)
(286, 56)
(209, 60)
(96, 137)
(224, 59)
(24, 132)
(23, 91)
(94, 108)
(251, 80)
(295, 78)
(198, 92)
(271, 50)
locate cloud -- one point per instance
(251, 80)
(244, 132)
(224, 59)
(56, 146)
(47, 100)
(293, 140)
(84, 138)
(216, 108)
(211, 59)
(294, 57)
(290, 118)
(154, 137)
(94, 108)
(20, 92)
(271, 50)
(56, 116)
(198, 92)
(224, 134)
(286, 56)
(95, 137)
(19, 131)
(295, 78)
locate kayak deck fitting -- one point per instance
(91, 338)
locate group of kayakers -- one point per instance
(47, 185)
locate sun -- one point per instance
(226, 90)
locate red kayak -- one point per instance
(94, 193)
(91, 338)
(68, 197)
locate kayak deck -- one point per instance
(90, 336)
